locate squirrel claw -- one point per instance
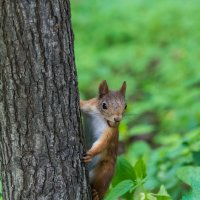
(87, 158)
(95, 195)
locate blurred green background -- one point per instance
(154, 46)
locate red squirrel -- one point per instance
(102, 115)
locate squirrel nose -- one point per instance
(117, 119)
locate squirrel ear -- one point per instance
(123, 88)
(103, 88)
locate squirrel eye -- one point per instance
(125, 107)
(104, 105)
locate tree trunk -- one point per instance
(40, 134)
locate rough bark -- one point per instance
(40, 134)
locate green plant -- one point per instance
(129, 183)
(191, 176)
(153, 45)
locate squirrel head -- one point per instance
(112, 104)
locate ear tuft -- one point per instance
(123, 88)
(103, 89)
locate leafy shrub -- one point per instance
(191, 176)
(129, 183)
(153, 45)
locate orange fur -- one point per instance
(102, 143)
(88, 105)
(107, 143)
(104, 170)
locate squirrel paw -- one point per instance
(87, 158)
(95, 195)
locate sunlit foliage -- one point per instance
(154, 46)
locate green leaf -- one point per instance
(140, 169)
(191, 176)
(160, 197)
(120, 189)
(124, 170)
(162, 194)
(192, 195)
(137, 150)
(196, 157)
(163, 191)
(141, 129)
(152, 196)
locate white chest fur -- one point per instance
(98, 125)
(94, 127)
